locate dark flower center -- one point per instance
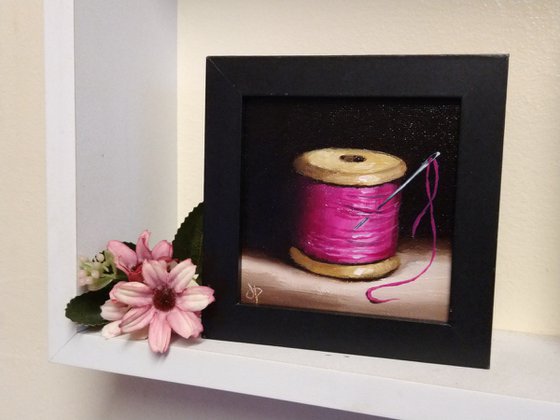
(164, 299)
(136, 274)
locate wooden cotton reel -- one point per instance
(338, 189)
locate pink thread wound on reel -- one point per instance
(328, 217)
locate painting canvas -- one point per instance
(315, 170)
(351, 203)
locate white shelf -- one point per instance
(116, 155)
(522, 383)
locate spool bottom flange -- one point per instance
(358, 272)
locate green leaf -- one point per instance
(130, 245)
(188, 240)
(85, 309)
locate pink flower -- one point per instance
(113, 310)
(166, 301)
(130, 261)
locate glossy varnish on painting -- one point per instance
(338, 189)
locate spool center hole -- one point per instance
(352, 158)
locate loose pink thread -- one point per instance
(431, 194)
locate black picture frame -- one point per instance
(479, 82)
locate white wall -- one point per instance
(528, 290)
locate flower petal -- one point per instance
(115, 287)
(160, 333)
(125, 258)
(155, 273)
(111, 329)
(113, 311)
(186, 324)
(142, 248)
(162, 250)
(137, 318)
(132, 293)
(181, 275)
(195, 298)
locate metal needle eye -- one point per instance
(423, 166)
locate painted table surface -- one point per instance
(267, 281)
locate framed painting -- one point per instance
(351, 203)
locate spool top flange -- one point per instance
(352, 167)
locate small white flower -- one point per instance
(97, 272)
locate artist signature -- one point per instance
(253, 293)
